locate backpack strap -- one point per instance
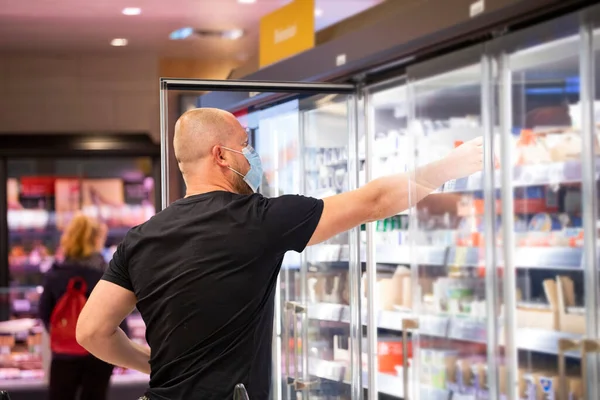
(74, 281)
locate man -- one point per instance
(203, 271)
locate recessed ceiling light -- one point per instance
(233, 34)
(182, 33)
(119, 42)
(318, 12)
(132, 11)
(246, 1)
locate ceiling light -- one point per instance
(132, 11)
(182, 33)
(246, 1)
(119, 42)
(318, 12)
(233, 34)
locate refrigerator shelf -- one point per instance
(449, 327)
(336, 371)
(388, 384)
(525, 257)
(524, 175)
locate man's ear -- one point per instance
(219, 156)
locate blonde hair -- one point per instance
(80, 238)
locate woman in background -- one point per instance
(81, 243)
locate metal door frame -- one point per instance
(263, 94)
(269, 92)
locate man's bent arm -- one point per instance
(387, 196)
(98, 328)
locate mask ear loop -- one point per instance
(235, 151)
(236, 172)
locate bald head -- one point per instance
(198, 131)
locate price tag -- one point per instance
(449, 186)
(468, 329)
(21, 305)
(546, 384)
(556, 174)
(460, 256)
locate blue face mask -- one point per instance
(254, 176)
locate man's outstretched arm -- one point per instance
(387, 196)
(98, 328)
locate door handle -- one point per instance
(564, 345)
(297, 308)
(293, 309)
(288, 321)
(407, 325)
(587, 346)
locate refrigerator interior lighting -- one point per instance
(233, 34)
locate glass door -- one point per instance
(452, 234)
(304, 134)
(591, 114)
(387, 293)
(548, 181)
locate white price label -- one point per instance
(22, 305)
(460, 257)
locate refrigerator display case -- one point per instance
(46, 185)
(25, 354)
(486, 289)
(43, 195)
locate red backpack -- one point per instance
(63, 321)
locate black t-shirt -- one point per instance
(204, 272)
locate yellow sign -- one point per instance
(287, 31)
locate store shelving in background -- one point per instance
(41, 206)
(43, 194)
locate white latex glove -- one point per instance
(466, 159)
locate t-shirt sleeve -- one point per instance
(117, 271)
(290, 221)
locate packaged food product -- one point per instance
(531, 149)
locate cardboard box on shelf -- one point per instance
(466, 375)
(542, 383)
(536, 318)
(546, 384)
(541, 317)
(575, 387)
(328, 287)
(570, 318)
(401, 288)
